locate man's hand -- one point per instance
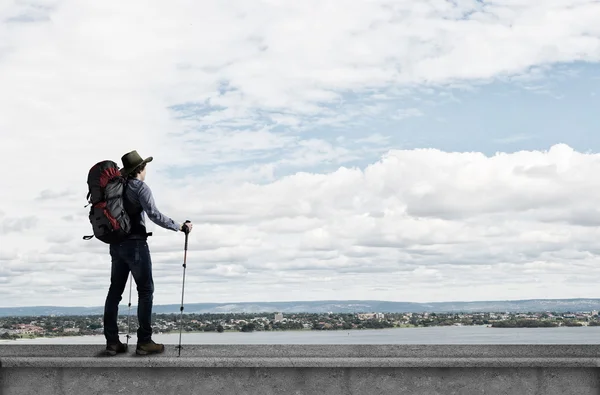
(183, 226)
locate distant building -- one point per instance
(27, 329)
(278, 317)
(370, 316)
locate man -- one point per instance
(133, 255)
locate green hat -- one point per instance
(131, 161)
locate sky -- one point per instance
(334, 149)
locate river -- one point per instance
(431, 335)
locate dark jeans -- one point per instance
(134, 256)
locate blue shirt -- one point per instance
(141, 199)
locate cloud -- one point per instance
(276, 128)
(376, 139)
(513, 139)
(279, 59)
(17, 224)
(47, 194)
(407, 113)
(426, 222)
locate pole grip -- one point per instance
(186, 230)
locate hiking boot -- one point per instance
(149, 348)
(115, 348)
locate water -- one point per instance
(432, 335)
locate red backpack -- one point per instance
(106, 190)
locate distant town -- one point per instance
(60, 326)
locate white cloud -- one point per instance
(407, 113)
(223, 95)
(418, 225)
(17, 224)
(376, 139)
(513, 139)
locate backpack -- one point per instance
(106, 190)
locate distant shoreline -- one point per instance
(345, 306)
(316, 332)
(458, 335)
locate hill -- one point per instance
(335, 306)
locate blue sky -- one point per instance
(560, 107)
(545, 106)
(295, 136)
(509, 117)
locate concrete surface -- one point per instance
(303, 369)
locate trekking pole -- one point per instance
(129, 312)
(187, 231)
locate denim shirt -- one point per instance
(140, 199)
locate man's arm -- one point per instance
(147, 202)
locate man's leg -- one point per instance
(118, 280)
(142, 272)
(141, 267)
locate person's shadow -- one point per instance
(104, 354)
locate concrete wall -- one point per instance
(304, 369)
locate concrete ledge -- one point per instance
(193, 362)
(537, 351)
(304, 369)
(276, 356)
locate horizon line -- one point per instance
(323, 300)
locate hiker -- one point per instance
(133, 255)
